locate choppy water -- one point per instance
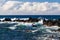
(20, 33)
(8, 34)
(13, 31)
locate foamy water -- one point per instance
(25, 31)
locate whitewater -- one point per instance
(25, 31)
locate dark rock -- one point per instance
(7, 19)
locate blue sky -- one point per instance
(29, 7)
(39, 0)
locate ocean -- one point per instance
(33, 16)
(42, 33)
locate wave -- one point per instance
(40, 32)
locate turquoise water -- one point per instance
(23, 32)
(8, 34)
(19, 33)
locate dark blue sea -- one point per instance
(8, 34)
(33, 16)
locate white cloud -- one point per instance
(30, 8)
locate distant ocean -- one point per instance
(33, 16)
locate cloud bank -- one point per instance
(29, 8)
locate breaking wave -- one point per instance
(25, 31)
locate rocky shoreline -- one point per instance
(48, 22)
(52, 22)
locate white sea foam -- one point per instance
(47, 30)
(34, 31)
(41, 21)
(52, 27)
(12, 28)
(24, 18)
